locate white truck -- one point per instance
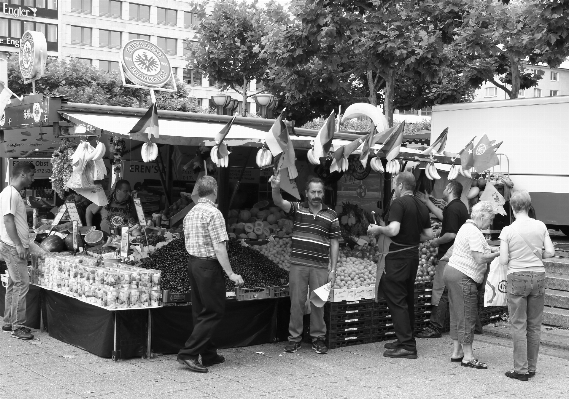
(535, 132)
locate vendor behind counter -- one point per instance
(119, 212)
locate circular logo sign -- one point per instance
(481, 149)
(33, 55)
(502, 286)
(145, 64)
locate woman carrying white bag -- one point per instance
(521, 249)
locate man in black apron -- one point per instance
(408, 224)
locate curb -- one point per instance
(499, 331)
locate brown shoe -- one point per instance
(400, 353)
(194, 365)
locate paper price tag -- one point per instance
(139, 211)
(75, 232)
(271, 238)
(73, 214)
(124, 242)
(59, 215)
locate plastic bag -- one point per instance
(495, 292)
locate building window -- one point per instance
(537, 92)
(521, 93)
(139, 12)
(133, 36)
(28, 26)
(29, 3)
(553, 93)
(110, 8)
(41, 3)
(52, 34)
(109, 38)
(554, 76)
(80, 35)
(15, 28)
(491, 92)
(4, 27)
(191, 20)
(85, 61)
(192, 77)
(167, 17)
(82, 6)
(52, 4)
(426, 111)
(109, 66)
(168, 45)
(240, 108)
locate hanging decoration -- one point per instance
(117, 148)
(264, 157)
(62, 167)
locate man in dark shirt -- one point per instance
(408, 225)
(453, 217)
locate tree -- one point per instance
(229, 44)
(82, 83)
(496, 40)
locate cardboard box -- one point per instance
(351, 295)
(338, 295)
(361, 293)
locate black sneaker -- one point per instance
(531, 374)
(429, 333)
(517, 376)
(292, 346)
(319, 346)
(22, 333)
(7, 328)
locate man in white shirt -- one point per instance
(14, 249)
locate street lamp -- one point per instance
(221, 101)
(263, 100)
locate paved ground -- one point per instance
(47, 368)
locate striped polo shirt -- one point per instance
(11, 203)
(312, 234)
(469, 238)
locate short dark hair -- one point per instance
(407, 179)
(22, 167)
(121, 183)
(206, 185)
(316, 180)
(455, 187)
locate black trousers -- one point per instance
(398, 286)
(208, 308)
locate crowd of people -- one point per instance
(463, 252)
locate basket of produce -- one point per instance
(249, 294)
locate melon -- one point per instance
(266, 224)
(252, 236)
(252, 220)
(261, 215)
(260, 224)
(254, 211)
(273, 209)
(281, 234)
(271, 218)
(281, 222)
(261, 237)
(232, 235)
(245, 215)
(242, 236)
(249, 227)
(258, 230)
(53, 244)
(261, 204)
(94, 238)
(233, 213)
(266, 231)
(232, 221)
(69, 242)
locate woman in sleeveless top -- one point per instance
(522, 250)
(120, 211)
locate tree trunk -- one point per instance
(371, 87)
(515, 70)
(244, 109)
(389, 96)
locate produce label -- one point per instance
(73, 214)
(139, 211)
(145, 64)
(124, 242)
(75, 231)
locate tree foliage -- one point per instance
(82, 83)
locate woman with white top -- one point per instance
(521, 249)
(465, 270)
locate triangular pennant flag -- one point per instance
(336, 158)
(484, 155)
(492, 195)
(289, 159)
(277, 138)
(148, 123)
(466, 155)
(288, 185)
(495, 145)
(392, 145)
(438, 145)
(366, 149)
(219, 137)
(222, 151)
(323, 140)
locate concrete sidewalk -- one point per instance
(47, 368)
(552, 337)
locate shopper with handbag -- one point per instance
(522, 247)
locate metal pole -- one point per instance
(115, 337)
(149, 338)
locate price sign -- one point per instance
(75, 232)
(59, 215)
(73, 214)
(124, 242)
(139, 212)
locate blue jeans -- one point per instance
(526, 294)
(300, 277)
(463, 300)
(18, 286)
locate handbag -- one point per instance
(533, 249)
(495, 292)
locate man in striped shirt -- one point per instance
(15, 249)
(315, 244)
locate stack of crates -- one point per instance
(423, 295)
(348, 323)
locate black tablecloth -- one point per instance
(245, 323)
(33, 304)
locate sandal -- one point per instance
(456, 359)
(474, 364)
